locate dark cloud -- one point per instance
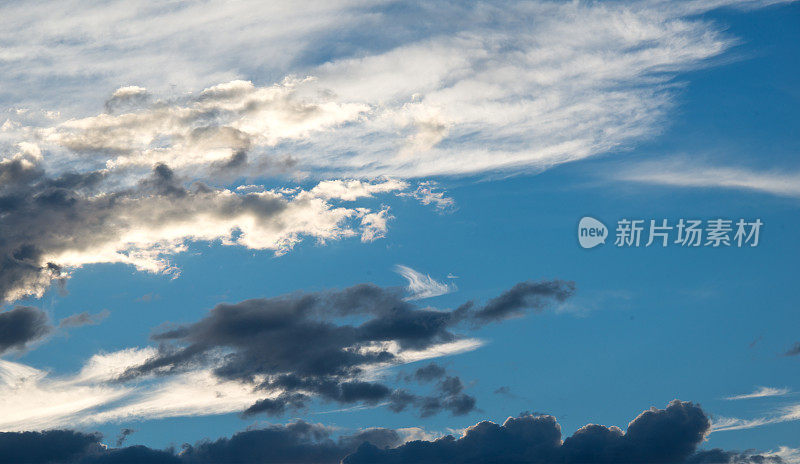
(719, 456)
(22, 325)
(298, 442)
(123, 435)
(47, 447)
(428, 373)
(84, 318)
(669, 435)
(448, 396)
(794, 350)
(523, 297)
(307, 344)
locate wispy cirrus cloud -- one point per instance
(761, 392)
(422, 285)
(516, 87)
(684, 173)
(788, 413)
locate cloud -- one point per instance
(789, 413)
(515, 87)
(263, 343)
(794, 350)
(36, 399)
(680, 173)
(84, 318)
(669, 435)
(521, 297)
(296, 442)
(429, 372)
(351, 190)
(422, 285)
(54, 225)
(21, 326)
(123, 435)
(427, 193)
(449, 393)
(761, 392)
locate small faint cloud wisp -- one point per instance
(422, 285)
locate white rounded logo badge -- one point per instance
(591, 232)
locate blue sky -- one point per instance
(663, 111)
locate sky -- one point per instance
(246, 232)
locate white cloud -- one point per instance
(428, 193)
(353, 189)
(761, 392)
(681, 173)
(517, 88)
(788, 413)
(374, 225)
(422, 285)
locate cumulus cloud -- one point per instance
(296, 442)
(422, 285)
(21, 326)
(669, 435)
(53, 225)
(659, 435)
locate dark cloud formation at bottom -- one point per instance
(669, 435)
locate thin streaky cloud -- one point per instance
(761, 392)
(685, 174)
(788, 413)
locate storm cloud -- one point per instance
(307, 344)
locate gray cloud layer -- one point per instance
(668, 436)
(298, 346)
